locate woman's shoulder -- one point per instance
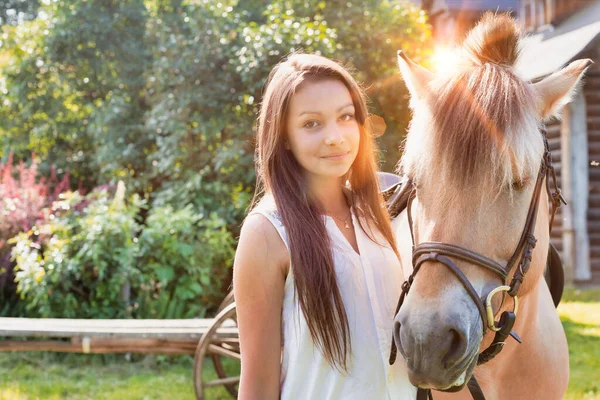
(261, 235)
(267, 207)
(260, 230)
(261, 247)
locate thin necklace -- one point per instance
(344, 221)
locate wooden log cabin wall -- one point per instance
(563, 32)
(575, 145)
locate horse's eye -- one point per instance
(520, 184)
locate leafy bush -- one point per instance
(79, 262)
(183, 259)
(92, 258)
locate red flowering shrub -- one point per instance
(23, 196)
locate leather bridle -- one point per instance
(444, 253)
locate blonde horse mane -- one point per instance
(477, 129)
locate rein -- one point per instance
(443, 253)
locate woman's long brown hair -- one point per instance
(279, 173)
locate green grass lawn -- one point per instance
(580, 314)
(29, 376)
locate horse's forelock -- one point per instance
(480, 131)
(483, 123)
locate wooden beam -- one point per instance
(575, 184)
(568, 254)
(191, 329)
(580, 185)
(101, 346)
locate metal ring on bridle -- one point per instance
(490, 311)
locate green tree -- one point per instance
(12, 12)
(209, 73)
(60, 73)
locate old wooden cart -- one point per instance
(216, 339)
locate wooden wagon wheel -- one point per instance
(217, 358)
(226, 301)
(220, 341)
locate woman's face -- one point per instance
(322, 131)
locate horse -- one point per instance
(476, 159)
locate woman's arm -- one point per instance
(259, 272)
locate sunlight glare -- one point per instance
(444, 59)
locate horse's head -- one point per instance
(473, 151)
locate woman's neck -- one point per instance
(329, 194)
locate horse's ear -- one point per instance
(556, 90)
(416, 77)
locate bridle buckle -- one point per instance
(491, 323)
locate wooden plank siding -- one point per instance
(592, 97)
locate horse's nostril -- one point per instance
(456, 349)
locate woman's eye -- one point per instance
(310, 124)
(348, 117)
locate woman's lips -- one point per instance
(336, 156)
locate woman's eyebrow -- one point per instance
(319, 113)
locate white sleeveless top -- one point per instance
(369, 284)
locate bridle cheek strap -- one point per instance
(441, 258)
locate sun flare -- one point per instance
(444, 59)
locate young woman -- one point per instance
(316, 273)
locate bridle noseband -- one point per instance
(444, 253)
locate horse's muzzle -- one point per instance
(437, 350)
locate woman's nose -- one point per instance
(334, 137)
